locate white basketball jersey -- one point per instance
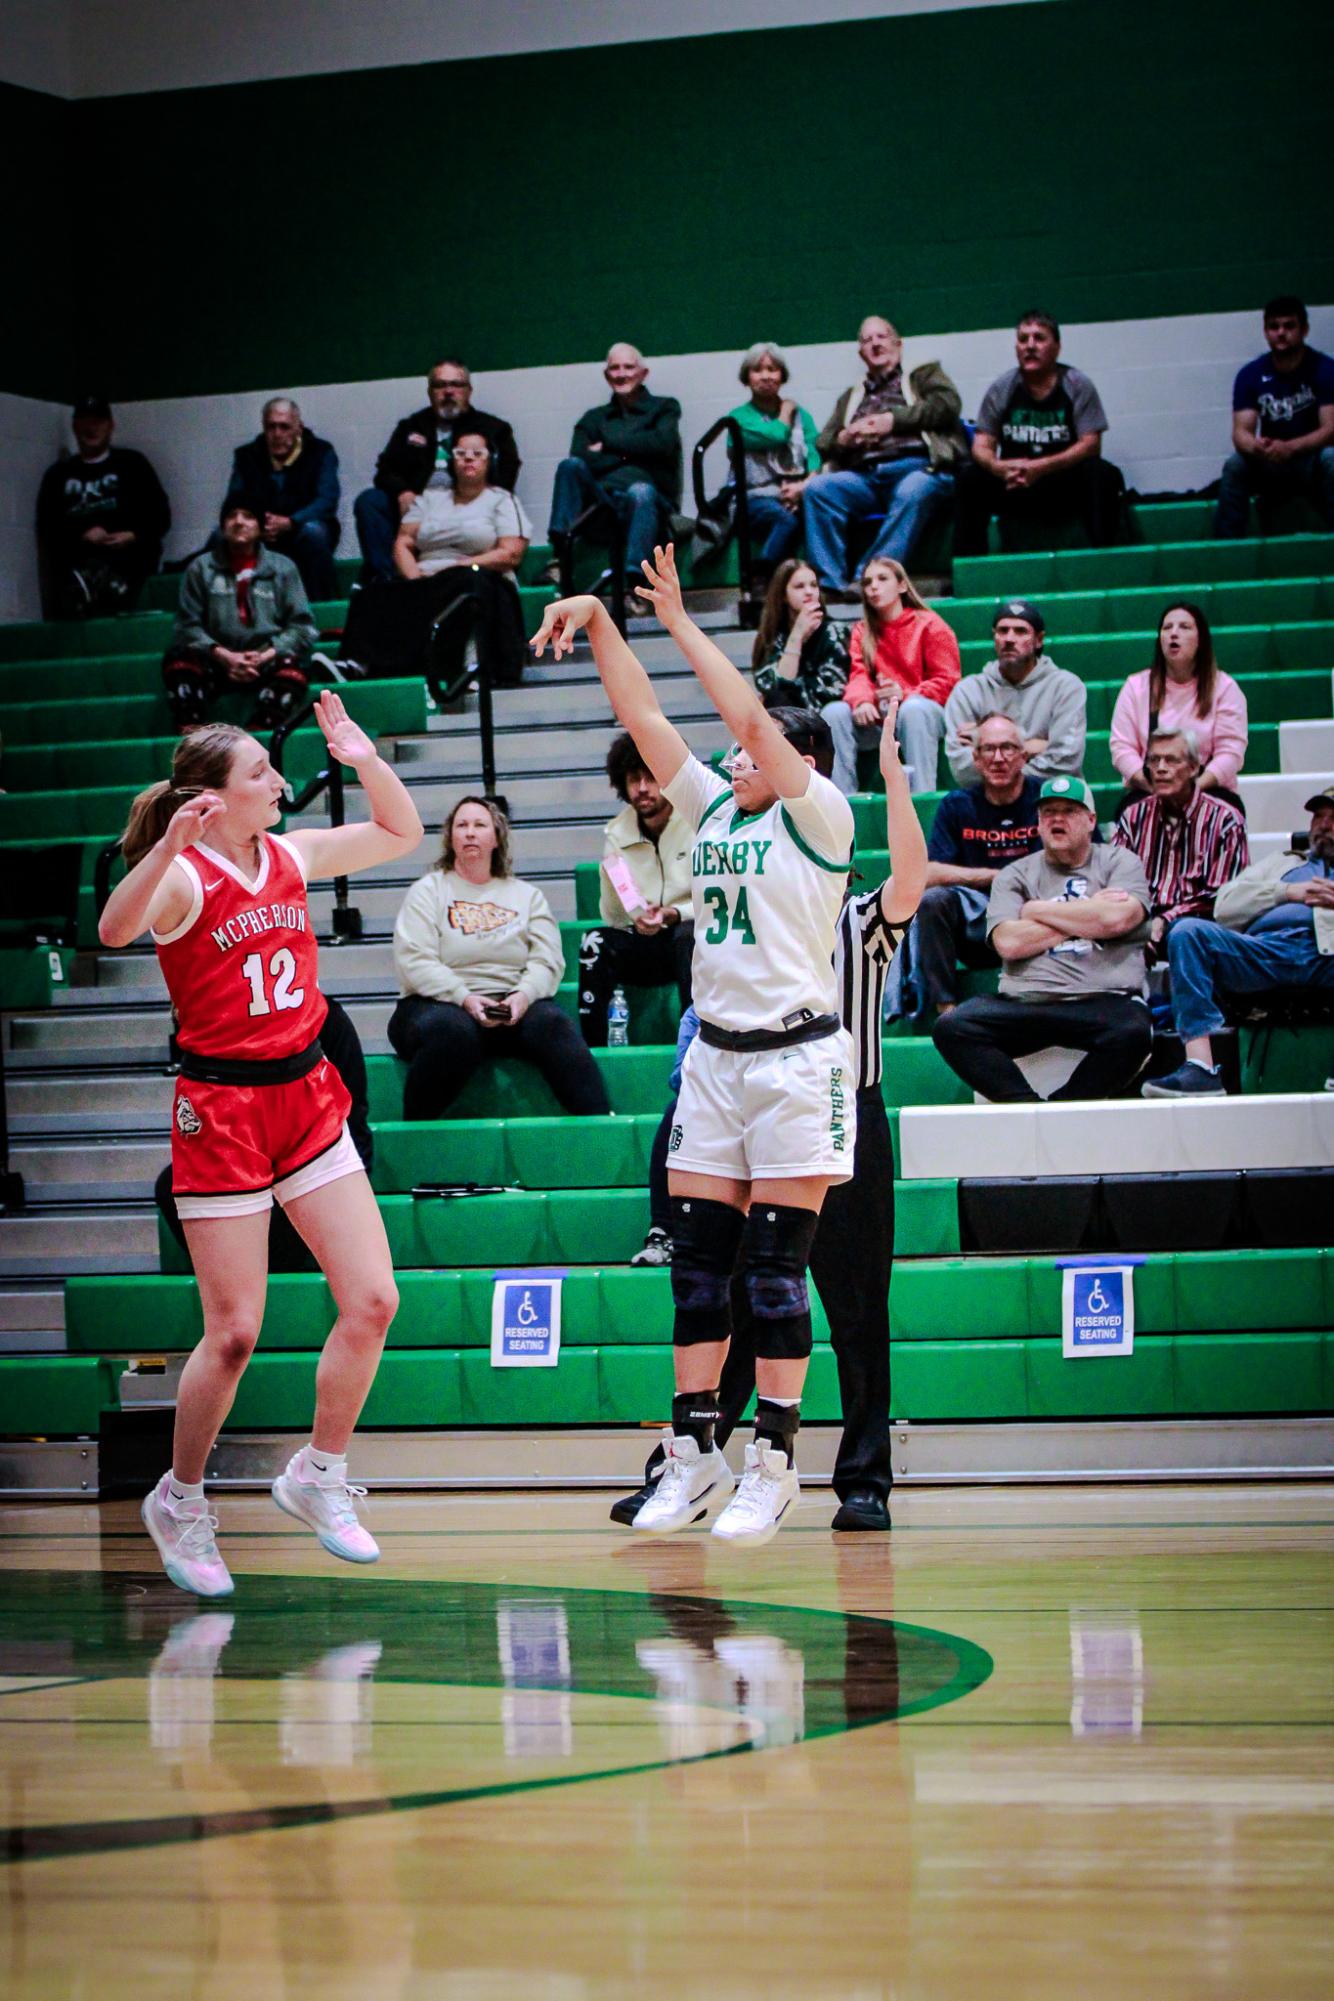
(767, 889)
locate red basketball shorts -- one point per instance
(234, 1147)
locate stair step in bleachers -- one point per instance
(1126, 1136)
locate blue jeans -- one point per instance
(1311, 473)
(780, 527)
(921, 727)
(641, 508)
(910, 494)
(377, 519)
(1204, 956)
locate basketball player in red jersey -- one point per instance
(259, 1112)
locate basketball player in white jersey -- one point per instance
(766, 1121)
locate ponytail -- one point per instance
(201, 764)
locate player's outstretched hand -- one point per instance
(889, 743)
(347, 740)
(560, 622)
(188, 822)
(663, 589)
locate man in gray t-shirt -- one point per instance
(1069, 924)
(1037, 452)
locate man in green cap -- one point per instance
(1069, 924)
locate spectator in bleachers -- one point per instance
(1282, 424)
(1191, 842)
(1049, 705)
(649, 940)
(978, 830)
(417, 460)
(627, 453)
(243, 621)
(1272, 931)
(800, 657)
(781, 442)
(1037, 452)
(889, 448)
(899, 647)
(101, 519)
(464, 540)
(1069, 925)
(1184, 689)
(478, 957)
(290, 478)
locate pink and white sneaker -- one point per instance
(329, 1507)
(184, 1538)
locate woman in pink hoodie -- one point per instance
(1184, 689)
(900, 648)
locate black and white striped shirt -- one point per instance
(863, 947)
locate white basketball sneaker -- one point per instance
(691, 1485)
(769, 1487)
(184, 1538)
(328, 1507)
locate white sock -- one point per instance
(183, 1490)
(1209, 1069)
(319, 1467)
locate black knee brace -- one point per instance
(705, 1239)
(775, 1252)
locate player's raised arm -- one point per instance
(726, 687)
(394, 828)
(629, 690)
(902, 890)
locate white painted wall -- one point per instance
(1166, 385)
(31, 433)
(103, 48)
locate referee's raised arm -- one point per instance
(901, 891)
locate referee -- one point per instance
(853, 1252)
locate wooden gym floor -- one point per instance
(1037, 1743)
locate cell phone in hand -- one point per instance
(497, 1010)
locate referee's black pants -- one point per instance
(851, 1261)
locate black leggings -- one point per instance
(443, 1046)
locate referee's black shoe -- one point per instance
(862, 1510)
(625, 1510)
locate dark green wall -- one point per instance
(42, 243)
(1113, 158)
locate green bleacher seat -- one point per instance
(1173, 566)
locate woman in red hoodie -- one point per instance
(899, 647)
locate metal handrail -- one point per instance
(748, 604)
(598, 511)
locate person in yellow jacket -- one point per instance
(647, 934)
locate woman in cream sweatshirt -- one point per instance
(478, 957)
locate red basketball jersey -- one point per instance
(241, 967)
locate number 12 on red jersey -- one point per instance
(282, 971)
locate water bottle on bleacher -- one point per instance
(618, 1020)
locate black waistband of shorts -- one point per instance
(749, 1039)
(229, 1070)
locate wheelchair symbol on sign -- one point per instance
(1097, 1301)
(526, 1314)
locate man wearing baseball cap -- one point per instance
(1069, 924)
(1272, 929)
(101, 519)
(1022, 682)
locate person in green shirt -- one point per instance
(780, 445)
(627, 453)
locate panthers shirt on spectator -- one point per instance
(1037, 427)
(1288, 404)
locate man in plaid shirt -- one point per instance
(1189, 842)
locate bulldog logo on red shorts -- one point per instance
(188, 1120)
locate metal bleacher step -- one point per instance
(136, 1036)
(78, 1169)
(1277, 804)
(76, 1239)
(32, 1318)
(530, 752)
(112, 1102)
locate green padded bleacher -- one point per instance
(1172, 566)
(1256, 601)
